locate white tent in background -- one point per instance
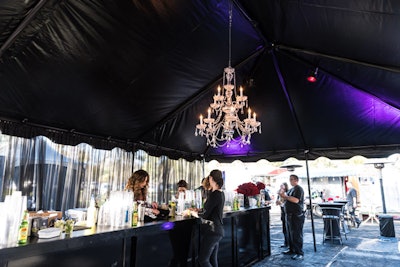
(320, 172)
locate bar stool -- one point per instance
(331, 217)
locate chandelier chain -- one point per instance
(230, 35)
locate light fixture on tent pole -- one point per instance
(313, 76)
(379, 165)
(223, 125)
(291, 167)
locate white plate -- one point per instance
(49, 232)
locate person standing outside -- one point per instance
(280, 202)
(267, 196)
(352, 203)
(294, 200)
(212, 229)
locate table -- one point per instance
(345, 226)
(344, 202)
(331, 214)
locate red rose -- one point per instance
(249, 189)
(260, 185)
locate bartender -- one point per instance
(182, 187)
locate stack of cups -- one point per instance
(11, 211)
(181, 203)
(117, 211)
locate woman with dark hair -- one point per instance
(212, 229)
(182, 187)
(138, 183)
(281, 202)
(204, 188)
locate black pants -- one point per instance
(208, 254)
(352, 212)
(284, 227)
(295, 223)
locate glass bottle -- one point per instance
(236, 204)
(135, 217)
(173, 209)
(23, 229)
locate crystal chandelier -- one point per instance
(223, 125)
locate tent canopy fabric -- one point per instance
(137, 74)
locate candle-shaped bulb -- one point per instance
(241, 91)
(254, 116)
(249, 113)
(201, 119)
(209, 112)
(219, 90)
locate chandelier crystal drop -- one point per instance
(223, 125)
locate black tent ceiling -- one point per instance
(137, 74)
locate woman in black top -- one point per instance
(281, 202)
(212, 229)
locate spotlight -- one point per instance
(312, 77)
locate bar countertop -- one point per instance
(102, 239)
(141, 228)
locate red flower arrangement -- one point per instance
(250, 189)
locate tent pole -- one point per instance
(310, 199)
(380, 166)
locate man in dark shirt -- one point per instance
(352, 203)
(294, 200)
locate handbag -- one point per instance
(207, 225)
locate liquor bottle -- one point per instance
(173, 209)
(23, 229)
(135, 217)
(236, 203)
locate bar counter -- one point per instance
(160, 243)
